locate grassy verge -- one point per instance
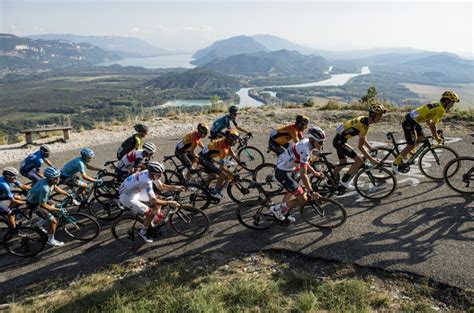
(263, 282)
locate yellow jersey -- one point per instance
(358, 126)
(218, 148)
(431, 111)
(189, 142)
(285, 134)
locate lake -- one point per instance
(162, 61)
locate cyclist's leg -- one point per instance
(211, 168)
(5, 209)
(274, 147)
(33, 176)
(185, 160)
(292, 187)
(410, 129)
(132, 202)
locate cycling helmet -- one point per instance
(231, 134)
(87, 153)
(301, 119)
(45, 149)
(149, 147)
(233, 109)
(451, 96)
(155, 167)
(140, 128)
(202, 129)
(51, 173)
(377, 108)
(10, 172)
(317, 134)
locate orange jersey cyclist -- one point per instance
(185, 149)
(281, 137)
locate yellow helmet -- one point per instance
(451, 96)
(231, 134)
(377, 108)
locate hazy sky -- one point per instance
(190, 25)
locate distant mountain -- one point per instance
(266, 63)
(122, 46)
(226, 48)
(275, 43)
(195, 79)
(364, 53)
(20, 52)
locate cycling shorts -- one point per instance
(411, 129)
(186, 158)
(275, 147)
(135, 202)
(342, 148)
(209, 165)
(288, 182)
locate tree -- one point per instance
(214, 103)
(370, 97)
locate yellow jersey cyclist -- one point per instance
(135, 160)
(30, 167)
(137, 194)
(8, 200)
(297, 155)
(358, 126)
(185, 149)
(133, 142)
(223, 123)
(217, 152)
(431, 114)
(38, 197)
(280, 138)
(79, 165)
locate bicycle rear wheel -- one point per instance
(125, 229)
(242, 190)
(433, 160)
(255, 214)
(80, 226)
(173, 178)
(189, 222)
(386, 154)
(265, 174)
(251, 156)
(324, 213)
(105, 210)
(25, 241)
(375, 183)
(459, 174)
(109, 189)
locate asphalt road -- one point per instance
(423, 228)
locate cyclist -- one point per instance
(7, 199)
(223, 123)
(138, 188)
(30, 166)
(358, 126)
(185, 148)
(79, 165)
(219, 149)
(297, 154)
(133, 142)
(136, 160)
(37, 200)
(280, 138)
(431, 114)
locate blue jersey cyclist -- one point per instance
(38, 197)
(78, 166)
(7, 199)
(223, 123)
(30, 167)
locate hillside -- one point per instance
(19, 52)
(227, 47)
(266, 63)
(196, 79)
(275, 43)
(122, 46)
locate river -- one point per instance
(162, 61)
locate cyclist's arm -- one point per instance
(305, 179)
(241, 129)
(49, 207)
(92, 168)
(234, 156)
(87, 177)
(60, 190)
(25, 187)
(362, 149)
(48, 162)
(16, 200)
(433, 130)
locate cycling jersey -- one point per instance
(133, 142)
(218, 148)
(131, 160)
(33, 161)
(431, 111)
(222, 123)
(297, 154)
(189, 142)
(139, 182)
(5, 188)
(73, 167)
(358, 126)
(285, 134)
(40, 192)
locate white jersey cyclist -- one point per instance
(297, 154)
(130, 160)
(136, 189)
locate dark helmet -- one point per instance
(155, 167)
(377, 108)
(233, 109)
(10, 172)
(45, 150)
(301, 119)
(51, 173)
(203, 129)
(140, 128)
(317, 134)
(231, 134)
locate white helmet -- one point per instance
(317, 134)
(149, 147)
(155, 167)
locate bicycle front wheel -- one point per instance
(375, 183)
(324, 213)
(80, 226)
(255, 215)
(251, 156)
(189, 222)
(433, 160)
(105, 210)
(265, 174)
(196, 196)
(24, 241)
(459, 175)
(241, 190)
(125, 229)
